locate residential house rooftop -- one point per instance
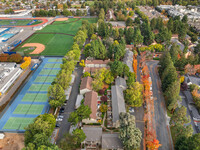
(111, 141)
(93, 133)
(92, 65)
(118, 104)
(128, 59)
(91, 101)
(121, 82)
(86, 83)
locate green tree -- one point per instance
(185, 19)
(131, 13)
(102, 14)
(73, 118)
(147, 33)
(129, 21)
(115, 33)
(101, 76)
(118, 52)
(180, 117)
(182, 30)
(155, 3)
(63, 79)
(163, 36)
(169, 76)
(172, 95)
(133, 95)
(129, 35)
(83, 112)
(153, 23)
(165, 60)
(42, 128)
(170, 24)
(101, 28)
(197, 49)
(137, 37)
(80, 135)
(67, 12)
(117, 68)
(56, 95)
(130, 135)
(180, 130)
(69, 142)
(90, 30)
(174, 51)
(194, 142)
(86, 74)
(80, 37)
(131, 79)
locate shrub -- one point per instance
(104, 98)
(101, 92)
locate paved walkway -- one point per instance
(139, 111)
(185, 103)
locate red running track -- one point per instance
(43, 21)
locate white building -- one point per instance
(9, 72)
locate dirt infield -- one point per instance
(12, 141)
(61, 19)
(39, 47)
(37, 18)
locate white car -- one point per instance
(59, 119)
(131, 109)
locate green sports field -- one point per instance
(18, 123)
(55, 44)
(35, 97)
(17, 22)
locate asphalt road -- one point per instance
(65, 125)
(162, 129)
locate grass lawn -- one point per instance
(37, 22)
(90, 3)
(55, 44)
(67, 21)
(76, 5)
(69, 28)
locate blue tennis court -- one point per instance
(32, 100)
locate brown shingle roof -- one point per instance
(91, 101)
(86, 83)
(93, 69)
(97, 61)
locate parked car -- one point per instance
(62, 108)
(59, 119)
(57, 125)
(61, 111)
(131, 109)
(60, 116)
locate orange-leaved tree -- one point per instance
(153, 145)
